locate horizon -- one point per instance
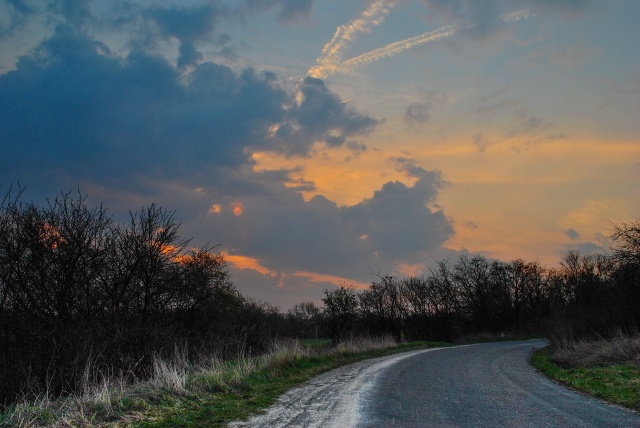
(320, 142)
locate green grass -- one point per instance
(616, 383)
(254, 393)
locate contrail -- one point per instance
(397, 47)
(329, 59)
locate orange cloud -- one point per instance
(215, 209)
(407, 269)
(245, 262)
(238, 209)
(335, 280)
(168, 249)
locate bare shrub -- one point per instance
(79, 290)
(364, 344)
(617, 349)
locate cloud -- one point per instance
(398, 47)
(480, 19)
(530, 131)
(188, 26)
(290, 11)
(287, 234)
(79, 112)
(420, 112)
(153, 27)
(480, 142)
(320, 116)
(397, 220)
(417, 113)
(75, 12)
(572, 234)
(491, 104)
(330, 59)
(470, 225)
(13, 15)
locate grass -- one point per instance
(616, 349)
(316, 343)
(605, 368)
(214, 393)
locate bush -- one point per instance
(616, 349)
(79, 289)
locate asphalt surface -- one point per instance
(331, 400)
(484, 385)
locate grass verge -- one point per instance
(616, 383)
(258, 390)
(209, 395)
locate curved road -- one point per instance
(484, 385)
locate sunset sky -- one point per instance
(320, 142)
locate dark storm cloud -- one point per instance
(146, 26)
(321, 116)
(397, 219)
(134, 128)
(17, 12)
(74, 109)
(188, 26)
(287, 233)
(75, 12)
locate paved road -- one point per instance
(485, 385)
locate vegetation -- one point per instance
(212, 394)
(81, 296)
(586, 296)
(588, 353)
(596, 370)
(131, 317)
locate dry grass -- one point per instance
(364, 344)
(618, 349)
(106, 398)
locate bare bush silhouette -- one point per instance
(78, 289)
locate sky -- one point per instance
(324, 142)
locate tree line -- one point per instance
(586, 295)
(78, 290)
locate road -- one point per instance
(483, 385)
